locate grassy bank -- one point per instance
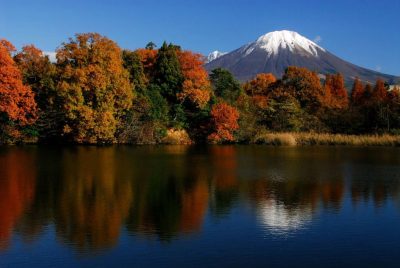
(305, 139)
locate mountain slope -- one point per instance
(275, 51)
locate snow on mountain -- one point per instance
(274, 41)
(214, 55)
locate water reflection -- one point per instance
(89, 194)
(285, 206)
(280, 220)
(223, 172)
(95, 198)
(17, 185)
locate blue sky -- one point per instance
(364, 32)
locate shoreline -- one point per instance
(275, 139)
(324, 139)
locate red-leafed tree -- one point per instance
(335, 92)
(224, 120)
(258, 89)
(16, 99)
(340, 92)
(17, 103)
(148, 58)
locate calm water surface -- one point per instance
(171, 206)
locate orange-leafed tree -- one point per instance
(357, 92)
(224, 120)
(340, 92)
(305, 86)
(17, 103)
(94, 87)
(379, 93)
(328, 89)
(196, 87)
(148, 57)
(379, 103)
(259, 88)
(335, 92)
(260, 84)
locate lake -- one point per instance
(210, 206)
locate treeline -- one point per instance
(97, 93)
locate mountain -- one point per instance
(214, 55)
(275, 51)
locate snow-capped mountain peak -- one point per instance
(274, 41)
(214, 55)
(275, 51)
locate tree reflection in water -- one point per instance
(90, 194)
(95, 199)
(17, 184)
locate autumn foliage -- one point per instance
(196, 87)
(258, 88)
(224, 120)
(305, 86)
(148, 59)
(357, 92)
(97, 93)
(94, 87)
(380, 93)
(260, 84)
(335, 92)
(16, 99)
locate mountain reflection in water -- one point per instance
(89, 195)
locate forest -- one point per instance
(98, 93)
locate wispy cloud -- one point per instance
(378, 68)
(51, 54)
(318, 39)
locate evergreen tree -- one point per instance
(167, 72)
(225, 86)
(150, 45)
(132, 63)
